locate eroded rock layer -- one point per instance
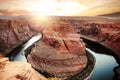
(18, 71)
(106, 32)
(60, 53)
(14, 32)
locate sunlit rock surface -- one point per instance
(14, 32)
(59, 40)
(18, 71)
(60, 53)
(103, 31)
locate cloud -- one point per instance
(102, 9)
(14, 12)
(4, 0)
(25, 7)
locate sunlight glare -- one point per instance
(55, 8)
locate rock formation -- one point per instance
(18, 71)
(106, 32)
(14, 32)
(60, 53)
(102, 30)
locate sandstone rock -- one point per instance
(106, 32)
(69, 42)
(61, 64)
(13, 33)
(74, 46)
(60, 53)
(18, 71)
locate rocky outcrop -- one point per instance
(18, 71)
(14, 32)
(105, 32)
(60, 53)
(64, 39)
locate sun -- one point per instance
(57, 8)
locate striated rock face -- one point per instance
(60, 53)
(64, 39)
(102, 30)
(18, 71)
(13, 33)
(106, 32)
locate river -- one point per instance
(104, 66)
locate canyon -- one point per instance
(61, 52)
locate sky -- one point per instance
(58, 7)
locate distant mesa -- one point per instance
(116, 14)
